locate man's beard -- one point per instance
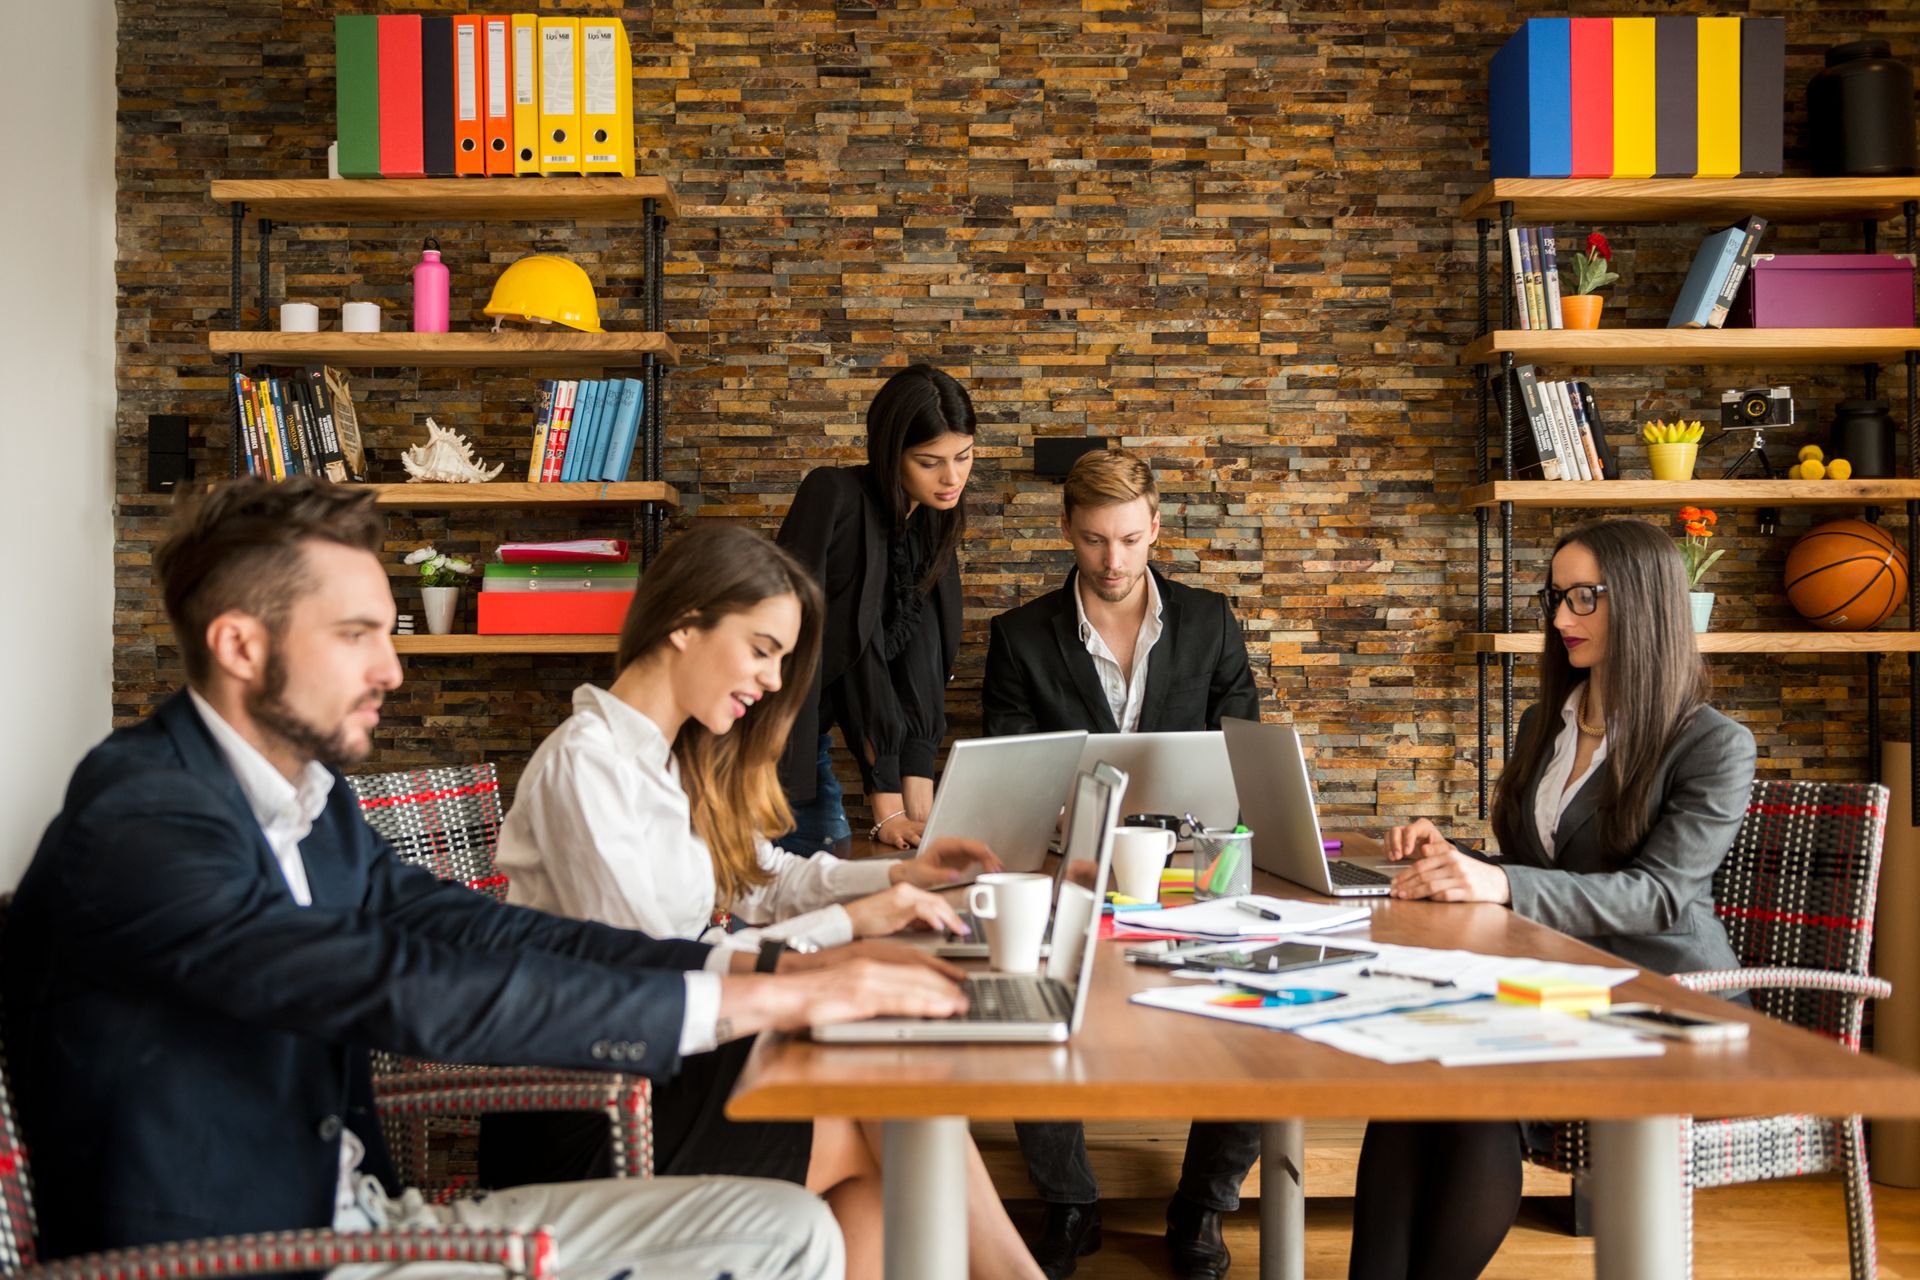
(268, 709)
(1115, 597)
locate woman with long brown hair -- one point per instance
(1624, 792)
(649, 809)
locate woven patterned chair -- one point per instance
(448, 821)
(522, 1255)
(1796, 894)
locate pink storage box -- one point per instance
(1826, 291)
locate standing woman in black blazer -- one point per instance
(1623, 795)
(882, 539)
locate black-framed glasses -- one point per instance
(1582, 597)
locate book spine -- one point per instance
(542, 424)
(1742, 260)
(334, 459)
(1563, 392)
(1591, 409)
(1587, 449)
(245, 424)
(1550, 275)
(276, 447)
(1563, 436)
(557, 434)
(297, 404)
(1537, 419)
(1536, 288)
(346, 420)
(1517, 269)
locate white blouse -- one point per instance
(1550, 797)
(601, 829)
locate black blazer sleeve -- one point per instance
(1006, 701)
(169, 892)
(1232, 691)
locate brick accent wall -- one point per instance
(1220, 233)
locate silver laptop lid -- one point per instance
(1172, 773)
(1007, 793)
(1092, 814)
(1270, 771)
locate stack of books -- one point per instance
(1716, 275)
(1559, 435)
(303, 423)
(482, 95)
(1533, 267)
(582, 587)
(585, 430)
(1665, 97)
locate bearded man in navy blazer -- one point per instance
(1122, 648)
(209, 940)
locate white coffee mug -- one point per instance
(1139, 856)
(299, 317)
(360, 317)
(1012, 907)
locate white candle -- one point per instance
(360, 317)
(299, 317)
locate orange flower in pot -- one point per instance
(1592, 271)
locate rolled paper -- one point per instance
(299, 317)
(360, 317)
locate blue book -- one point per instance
(583, 408)
(1530, 101)
(604, 412)
(1694, 307)
(626, 430)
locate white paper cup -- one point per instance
(360, 317)
(299, 317)
(1012, 907)
(1139, 856)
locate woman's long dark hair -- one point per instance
(1655, 681)
(916, 405)
(732, 779)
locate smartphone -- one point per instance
(1670, 1024)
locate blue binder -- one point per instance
(1530, 101)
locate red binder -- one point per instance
(496, 96)
(402, 150)
(1591, 72)
(469, 77)
(566, 613)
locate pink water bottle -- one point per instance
(431, 285)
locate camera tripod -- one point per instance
(1756, 453)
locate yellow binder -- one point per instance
(606, 97)
(1718, 86)
(526, 94)
(1633, 98)
(560, 95)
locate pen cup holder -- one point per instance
(1222, 863)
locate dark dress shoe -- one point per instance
(1072, 1231)
(1193, 1234)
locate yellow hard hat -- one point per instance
(546, 288)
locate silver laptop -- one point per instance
(1270, 770)
(1025, 1008)
(1171, 773)
(1006, 792)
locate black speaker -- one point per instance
(168, 462)
(1054, 456)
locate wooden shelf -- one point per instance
(509, 493)
(1610, 494)
(1728, 642)
(1692, 199)
(451, 199)
(564, 348)
(1694, 346)
(431, 646)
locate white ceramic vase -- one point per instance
(1702, 602)
(441, 603)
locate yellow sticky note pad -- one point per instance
(1563, 994)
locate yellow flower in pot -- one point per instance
(1672, 448)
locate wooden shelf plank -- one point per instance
(519, 349)
(438, 646)
(1694, 346)
(1610, 494)
(1692, 199)
(506, 493)
(1728, 642)
(450, 199)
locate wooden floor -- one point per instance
(1773, 1231)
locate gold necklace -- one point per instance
(1580, 716)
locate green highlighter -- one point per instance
(1227, 865)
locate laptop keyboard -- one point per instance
(1014, 998)
(1348, 874)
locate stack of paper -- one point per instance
(1250, 916)
(1479, 1033)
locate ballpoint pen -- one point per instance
(1406, 977)
(1255, 909)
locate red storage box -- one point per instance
(1826, 291)
(569, 613)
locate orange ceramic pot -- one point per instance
(1581, 310)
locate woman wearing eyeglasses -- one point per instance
(1623, 794)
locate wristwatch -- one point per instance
(770, 952)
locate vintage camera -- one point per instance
(1757, 407)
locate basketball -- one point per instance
(1846, 575)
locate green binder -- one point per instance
(629, 569)
(356, 90)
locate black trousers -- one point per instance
(1433, 1200)
(1218, 1158)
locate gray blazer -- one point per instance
(1657, 911)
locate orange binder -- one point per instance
(469, 72)
(496, 105)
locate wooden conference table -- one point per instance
(1137, 1063)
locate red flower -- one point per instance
(1709, 517)
(1597, 243)
(1689, 514)
(1698, 530)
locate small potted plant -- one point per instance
(1696, 524)
(440, 576)
(1593, 271)
(1672, 448)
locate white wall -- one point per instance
(56, 405)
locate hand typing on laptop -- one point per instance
(944, 861)
(1440, 872)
